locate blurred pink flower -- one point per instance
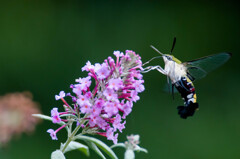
(16, 111)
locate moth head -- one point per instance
(167, 58)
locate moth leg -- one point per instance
(168, 81)
(173, 91)
(158, 68)
(161, 70)
(147, 69)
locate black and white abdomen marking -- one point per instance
(186, 89)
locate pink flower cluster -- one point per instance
(103, 106)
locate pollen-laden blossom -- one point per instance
(103, 99)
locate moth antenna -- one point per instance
(174, 42)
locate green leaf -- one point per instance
(57, 155)
(99, 143)
(129, 154)
(42, 116)
(73, 145)
(95, 148)
(119, 145)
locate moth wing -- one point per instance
(169, 88)
(199, 68)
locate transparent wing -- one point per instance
(169, 88)
(200, 67)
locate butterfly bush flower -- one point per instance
(102, 100)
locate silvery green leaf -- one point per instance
(138, 148)
(95, 148)
(119, 145)
(73, 145)
(129, 154)
(57, 155)
(42, 116)
(99, 143)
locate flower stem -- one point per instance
(70, 138)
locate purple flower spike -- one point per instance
(61, 95)
(103, 99)
(52, 134)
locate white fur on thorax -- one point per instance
(174, 70)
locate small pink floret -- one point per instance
(110, 135)
(84, 83)
(110, 108)
(88, 67)
(115, 84)
(86, 107)
(52, 134)
(82, 100)
(134, 95)
(110, 94)
(103, 72)
(61, 95)
(118, 53)
(139, 86)
(127, 108)
(77, 89)
(55, 115)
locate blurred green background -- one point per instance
(44, 44)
